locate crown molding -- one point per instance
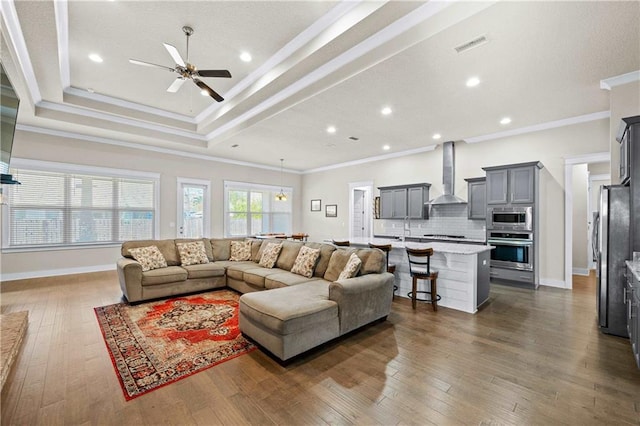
(75, 110)
(619, 80)
(372, 159)
(16, 39)
(542, 126)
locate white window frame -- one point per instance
(249, 186)
(206, 229)
(50, 166)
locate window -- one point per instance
(252, 209)
(61, 205)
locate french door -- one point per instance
(194, 208)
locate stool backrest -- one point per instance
(386, 248)
(298, 237)
(419, 261)
(341, 243)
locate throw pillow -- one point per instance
(352, 267)
(149, 257)
(270, 255)
(240, 250)
(305, 261)
(192, 253)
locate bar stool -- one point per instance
(341, 243)
(420, 269)
(391, 267)
(299, 237)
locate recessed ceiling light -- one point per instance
(245, 57)
(436, 136)
(331, 129)
(505, 120)
(204, 92)
(95, 57)
(386, 147)
(386, 111)
(473, 82)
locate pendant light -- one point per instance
(281, 196)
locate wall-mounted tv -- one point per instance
(9, 102)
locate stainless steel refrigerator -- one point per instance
(612, 249)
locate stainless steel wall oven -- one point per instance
(513, 250)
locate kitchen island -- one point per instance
(463, 270)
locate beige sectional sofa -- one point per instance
(284, 312)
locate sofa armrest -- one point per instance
(362, 299)
(130, 277)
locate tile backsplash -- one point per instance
(448, 219)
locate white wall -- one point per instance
(43, 147)
(548, 146)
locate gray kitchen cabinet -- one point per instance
(512, 184)
(402, 201)
(477, 198)
(632, 299)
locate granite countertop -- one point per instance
(417, 238)
(444, 247)
(634, 267)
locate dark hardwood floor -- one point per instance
(528, 357)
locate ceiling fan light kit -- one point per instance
(186, 70)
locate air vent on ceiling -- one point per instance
(353, 138)
(471, 44)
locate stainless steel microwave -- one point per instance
(510, 218)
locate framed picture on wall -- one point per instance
(316, 205)
(331, 210)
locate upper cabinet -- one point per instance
(512, 184)
(477, 197)
(404, 201)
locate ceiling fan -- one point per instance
(187, 71)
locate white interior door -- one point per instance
(194, 213)
(360, 210)
(358, 218)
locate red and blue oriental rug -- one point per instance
(157, 343)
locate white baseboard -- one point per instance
(552, 283)
(56, 272)
(581, 271)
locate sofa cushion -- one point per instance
(270, 255)
(292, 309)
(374, 261)
(326, 250)
(148, 257)
(306, 261)
(288, 254)
(285, 279)
(236, 270)
(263, 246)
(204, 270)
(221, 247)
(192, 253)
(256, 276)
(205, 241)
(240, 250)
(351, 268)
(255, 249)
(166, 247)
(338, 261)
(170, 274)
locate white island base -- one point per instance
(463, 272)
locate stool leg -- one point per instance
(434, 294)
(414, 286)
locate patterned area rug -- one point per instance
(157, 343)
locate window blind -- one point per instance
(66, 209)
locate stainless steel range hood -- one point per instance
(448, 178)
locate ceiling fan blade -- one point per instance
(176, 85)
(149, 64)
(209, 90)
(214, 73)
(174, 54)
